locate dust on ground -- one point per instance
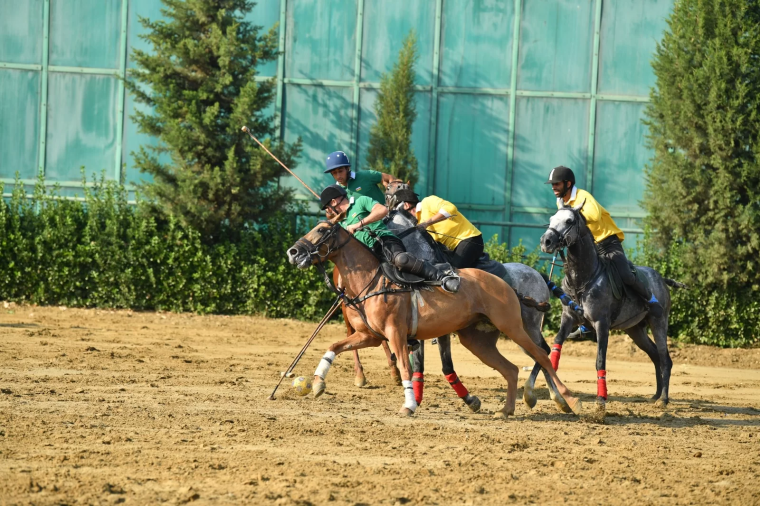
(100, 407)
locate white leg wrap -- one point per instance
(409, 400)
(325, 363)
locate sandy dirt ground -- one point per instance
(100, 407)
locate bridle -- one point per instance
(562, 243)
(327, 239)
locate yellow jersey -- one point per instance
(598, 219)
(448, 232)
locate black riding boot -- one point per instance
(429, 272)
(655, 308)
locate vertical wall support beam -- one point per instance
(592, 104)
(280, 69)
(434, 98)
(357, 80)
(119, 175)
(512, 114)
(44, 86)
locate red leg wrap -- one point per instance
(554, 355)
(601, 383)
(457, 385)
(418, 385)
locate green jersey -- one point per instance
(359, 208)
(365, 183)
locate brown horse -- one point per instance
(482, 303)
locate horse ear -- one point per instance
(578, 209)
(337, 218)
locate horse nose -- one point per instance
(292, 252)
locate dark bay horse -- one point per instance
(484, 306)
(587, 283)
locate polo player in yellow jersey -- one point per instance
(447, 226)
(608, 237)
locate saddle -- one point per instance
(411, 281)
(616, 282)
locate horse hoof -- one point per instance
(562, 404)
(406, 412)
(318, 388)
(575, 406)
(529, 397)
(501, 415)
(473, 403)
(396, 375)
(360, 380)
(661, 403)
(601, 404)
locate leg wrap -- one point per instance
(457, 385)
(409, 401)
(324, 364)
(554, 355)
(418, 384)
(601, 383)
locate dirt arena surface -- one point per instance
(102, 407)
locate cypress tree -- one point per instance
(390, 139)
(198, 81)
(703, 189)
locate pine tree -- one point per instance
(390, 139)
(703, 189)
(199, 82)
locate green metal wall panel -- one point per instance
(386, 23)
(420, 130)
(476, 43)
(95, 46)
(21, 31)
(150, 9)
(549, 132)
(630, 32)
(265, 14)
(81, 126)
(620, 155)
(472, 150)
(321, 117)
(321, 39)
(19, 123)
(555, 46)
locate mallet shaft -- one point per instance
(245, 129)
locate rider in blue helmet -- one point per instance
(364, 182)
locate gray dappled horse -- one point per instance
(587, 283)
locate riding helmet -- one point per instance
(559, 174)
(336, 160)
(333, 191)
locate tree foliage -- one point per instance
(198, 82)
(390, 139)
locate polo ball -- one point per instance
(302, 386)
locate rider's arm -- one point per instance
(590, 210)
(435, 209)
(377, 213)
(387, 178)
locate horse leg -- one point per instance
(483, 346)
(659, 328)
(507, 319)
(359, 379)
(395, 375)
(398, 345)
(444, 348)
(417, 361)
(355, 341)
(602, 328)
(532, 320)
(639, 335)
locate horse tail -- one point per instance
(531, 302)
(561, 295)
(675, 284)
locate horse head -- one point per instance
(319, 244)
(390, 192)
(564, 228)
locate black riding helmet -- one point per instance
(333, 191)
(559, 174)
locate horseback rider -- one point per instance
(607, 236)
(446, 224)
(364, 182)
(362, 214)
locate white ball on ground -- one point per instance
(302, 386)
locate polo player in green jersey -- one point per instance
(364, 182)
(363, 214)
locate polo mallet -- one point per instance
(293, 364)
(245, 129)
(551, 271)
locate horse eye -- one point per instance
(321, 231)
(569, 221)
